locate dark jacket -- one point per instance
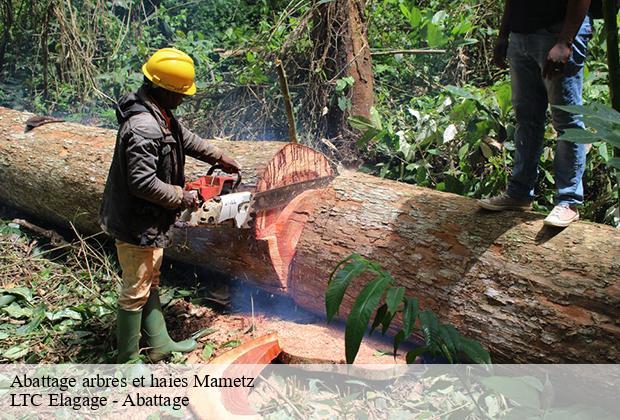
(144, 189)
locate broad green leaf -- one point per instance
(600, 111)
(446, 352)
(360, 122)
(486, 150)
(6, 300)
(338, 283)
(410, 314)
(344, 103)
(614, 163)
(503, 97)
(439, 17)
(380, 353)
(577, 135)
(475, 351)
(415, 17)
(460, 92)
(357, 322)
(413, 354)
(64, 314)
(435, 36)
(231, 344)
(341, 85)
(454, 336)
(166, 296)
(398, 340)
(368, 136)
(10, 229)
(387, 320)
(16, 352)
(14, 310)
(405, 10)
(381, 312)
(375, 118)
(430, 327)
(35, 320)
(18, 291)
(345, 82)
(603, 151)
(201, 333)
(450, 337)
(604, 129)
(207, 351)
(516, 389)
(463, 151)
(394, 297)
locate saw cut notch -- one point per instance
(281, 227)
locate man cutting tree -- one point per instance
(545, 42)
(144, 193)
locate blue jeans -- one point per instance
(531, 95)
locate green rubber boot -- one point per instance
(154, 328)
(128, 335)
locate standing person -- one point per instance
(546, 50)
(144, 192)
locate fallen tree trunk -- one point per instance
(528, 293)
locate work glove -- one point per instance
(190, 200)
(229, 165)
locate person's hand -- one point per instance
(190, 200)
(557, 58)
(499, 52)
(229, 165)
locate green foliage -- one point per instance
(440, 120)
(452, 142)
(439, 339)
(603, 125)
(58, 305)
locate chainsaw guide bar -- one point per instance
(222, 204)
(280, 196)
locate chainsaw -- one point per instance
(222, 203)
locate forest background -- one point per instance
(441, 119)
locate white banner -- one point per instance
(310, 391)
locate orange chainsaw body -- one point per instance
(210, 186)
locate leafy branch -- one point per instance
(439, 339)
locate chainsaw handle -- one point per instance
(216, 166)
(213, 168)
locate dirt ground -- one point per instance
(300, 342)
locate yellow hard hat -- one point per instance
(172, 70)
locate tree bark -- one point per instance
(527, 292)
(341, 50)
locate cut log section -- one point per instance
(281, 228)
(247, 360)
(527, 292)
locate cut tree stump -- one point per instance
(528, 293)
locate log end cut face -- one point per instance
(281, 228)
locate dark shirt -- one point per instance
(527, 16)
